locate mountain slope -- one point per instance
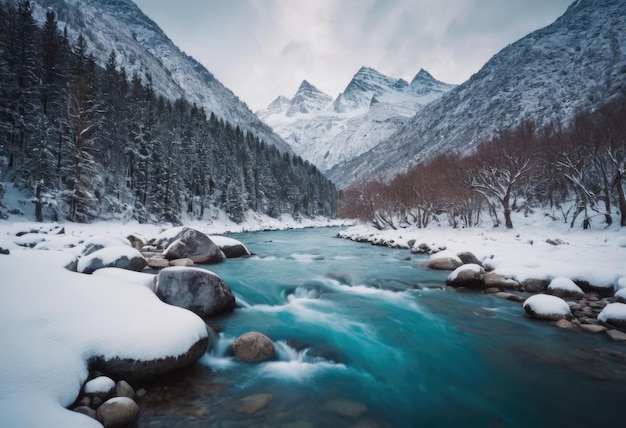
(371, 108)
(574, 64)
(142, 47)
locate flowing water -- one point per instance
(366, 337)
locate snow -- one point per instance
(616, 311)
(101, 384)
(470, 266)
(53, 321)
(563, 283)
(145, 279)
(108, 255)
(621, 293)
(445, 254)
(595, 256)
(544, 304)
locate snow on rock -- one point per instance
(620, 295)
(469, 275)
(564, 287)
(101, 384)
(193, 244)
(196, 289)
(54, 322)
(544, 306)
(120, 256)
(444, 260)
(614, 314)
(230, 247)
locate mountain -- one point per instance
(142, 47)
(575, 64)
(370, 109)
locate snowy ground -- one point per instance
(52, 320)
(597, 256)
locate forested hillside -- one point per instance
(90, 142)
(574, 173)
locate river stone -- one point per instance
(444, 260)
(101, 386)
(468, 257)
(616, 335)
(135, 241)
(254, 403)
(253, 347)
(123, 389)
(347, 408)
(532, 285)
(511, 297)
(190, 243)
(469, 275)
(139, 370)
(546, 307)
(614, 314)
(120, 256)
(601, 290)
(157, 262)
(563, 323)
(182, 262)
(493, 279)
(118, 412)
(235, 251)
(564, 287)
(199, 290)
(592, 328)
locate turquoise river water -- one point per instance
(367, 337)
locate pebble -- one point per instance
(563, 323)
(616, 335)
(592, 328)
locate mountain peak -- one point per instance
(423, 76)
(308, 99)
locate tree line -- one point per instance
(91, 142)
(576, 172)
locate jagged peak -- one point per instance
(307, 88)
(423, 76)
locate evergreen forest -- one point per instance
(90, 142)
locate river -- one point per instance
(366, 337)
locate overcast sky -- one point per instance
(264, 48)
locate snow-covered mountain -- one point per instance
(328, 131)
(143, 47)
(575, 64)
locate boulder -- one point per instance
(470, 276)
(511, 297)
(101, 386)
(620, 295)
(593, 328)
(616, 335)
(495, 280)
(199, 290)
(123, 389)
(564, 287)
(85, 410)
(444, 260)
(119, 256)
(546, 307)
(118, 412)
(181, 262)
(614, 314)
(602, 290)
(139, 370)
(253, 347)
(532, 285)
(190, 243)
(468, 258)
(137, 242)
(235, 251)
(157, 262)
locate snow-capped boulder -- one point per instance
(231, 247)
(190, 243)
(620, 295)
(614, 314)
(120, 256)
(98, 242)
(444, 260)
(547, 307)
(143, 369)
(118, 412)
(564, 287)
(470, 276)
(199, 290)
(101, 386)
(253, 347)
(468, 257)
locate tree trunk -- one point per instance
(38, 204)
(621, 198)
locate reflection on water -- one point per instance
(366, 337)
